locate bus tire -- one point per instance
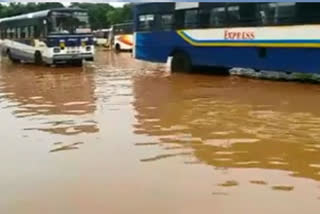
(38, 58)
(117, 47)
(181, 63)
(12, 59)
(77, 63)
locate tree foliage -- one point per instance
(100, 15)
(118, 15)
(14, 9)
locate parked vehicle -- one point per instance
(264, 36)
(51, 37)
(102, 37)
(122, 36)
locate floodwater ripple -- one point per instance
(119, 135)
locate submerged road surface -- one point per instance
(119, 136)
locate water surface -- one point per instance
(123, 136)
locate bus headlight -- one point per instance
(56, 50)
(62, 45)
(88, 48)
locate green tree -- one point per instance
(97, 14)
(14, 9)
(100, 15)
(119, 15)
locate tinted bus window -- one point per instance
(266, 13)
(13, 33)
(146, 22)
(308, 13)
(234, 14)
(248, 14)
(126, 28)
(191, 19)
(24, 33)
(179, 18)
(31, 31)
(218, 17)
(36, 32)
(166, 21)
(242, 14)
(285, 12)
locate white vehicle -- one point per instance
(50, 37)
(123, 36)
(102, 37)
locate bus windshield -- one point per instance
(125, 28)
(69, 23)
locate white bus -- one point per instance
(123, 36)
(48, 37)
(102, 37)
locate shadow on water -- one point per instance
(61, 147)
(205, 70)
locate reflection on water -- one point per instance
(37, 91)
(283, 188)
(122, 136)
(233, 123)
(61, 147)
(59, 99)
(229, 184)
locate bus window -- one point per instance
(99, 34)
(31, 31)
(307, 13)
(266, 13)
(166, 21)
(24, 32)
(18, 33)
(248, 14)
(179, 19)
(233, 14)
(191, 18)
(285, 13)
(13, 33)
(146, 22)
(218, 17)
(36, 32)
(125, 28)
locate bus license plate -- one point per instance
(73, 50)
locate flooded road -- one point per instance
(121, 136)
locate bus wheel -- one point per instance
(77, 63)
(181, 63)
(117, 47)
(12, 59)
(38, 58)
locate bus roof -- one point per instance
(39, 14)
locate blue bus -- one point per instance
(51, 37)
(264, 36)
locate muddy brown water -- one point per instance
(122, 136)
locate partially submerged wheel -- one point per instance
(118, 48)
(38, 58)
(181, 63)
(12, 59)
(78, 62)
